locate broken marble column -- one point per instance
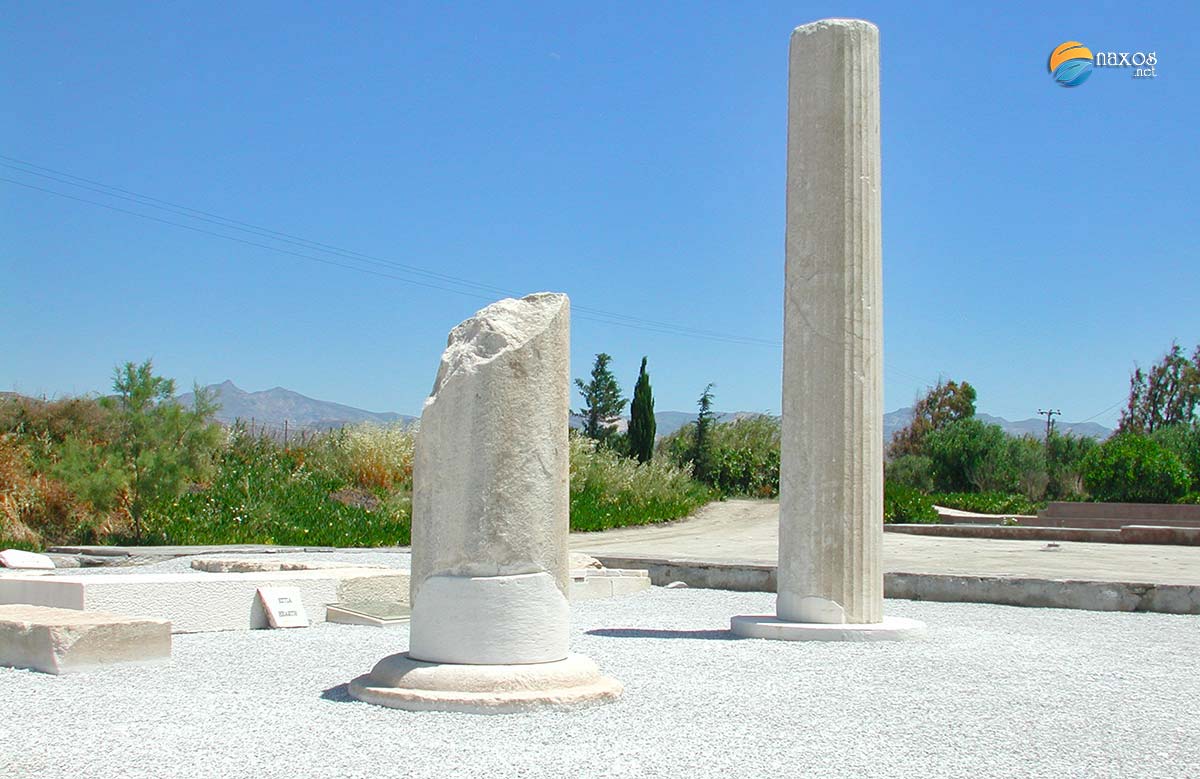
(489, 586)
(830, 582)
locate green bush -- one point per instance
(986, 502)
(905, 504)
(1184, 441)
(1131, 468)
(744, 454)
(1064, 459)
(968, 455)
(911, 470)
(609, 490)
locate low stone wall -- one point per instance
(1003, 590)
(1115, 515)
(1128, 534)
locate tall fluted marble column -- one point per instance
(830, 582)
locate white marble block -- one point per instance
(57, 641)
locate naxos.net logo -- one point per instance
(1072, 63)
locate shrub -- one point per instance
(1025, 469)
(370, 456)
(986, 502)
(967, 455)
(608, 490)
(911, 470)
(905, 504)
(1184, 441)
(1133, 468)
(1064, 458)
(744, 454)
(35, 510)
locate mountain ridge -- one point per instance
(273, 407)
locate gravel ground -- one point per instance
(994, 691)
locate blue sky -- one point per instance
(1038, 241)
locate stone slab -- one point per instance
(18, 558)
(593, 583)
(58, 641)
(380, 614)
(773, 628)
(1126, 534)
(265, 563)
(201, 602)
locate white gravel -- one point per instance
(994, 691)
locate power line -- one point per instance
(276, 235)
(1105, 411)
(427, 278)
(587, 314)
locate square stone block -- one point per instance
(57, 641)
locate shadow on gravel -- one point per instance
(338, 694)
(703, 635)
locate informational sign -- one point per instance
(284, 607)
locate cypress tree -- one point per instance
(702, 464)
(641, 418)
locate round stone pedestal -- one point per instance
(400, 682)
(890, 629)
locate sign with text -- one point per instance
(284, 607)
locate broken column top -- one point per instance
(502, 326)
(830, 24)
(490, 493)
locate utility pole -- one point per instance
(1049, 415)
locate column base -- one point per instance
(890, 629)
(400, 682)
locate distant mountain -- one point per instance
(1036, 427)
(270, 408)
(667, 422)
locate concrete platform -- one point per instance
(199, 602)
(745, 532)
(58, 641)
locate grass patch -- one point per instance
(608, 490)
(907, 505)
(264, 494)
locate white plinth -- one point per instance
(490, 620)
(400, 682)
(890, 629)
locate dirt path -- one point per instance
(747, 531)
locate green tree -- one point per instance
(1184, 441)
(702, 456)
(157, 445)
(641, 418)
(602, 400)
(1168, 394)
(968, 455)
(947, 402)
